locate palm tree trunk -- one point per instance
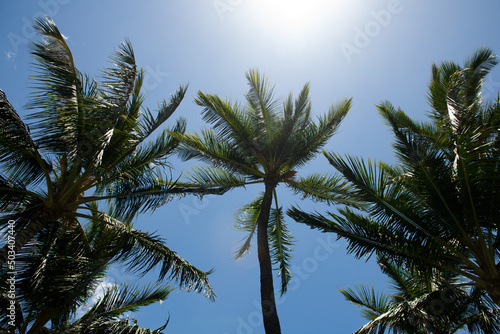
(268, 303)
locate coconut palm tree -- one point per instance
(52, 287)
(423, 302)
(439, 206)
(262, 143)
(86, 142)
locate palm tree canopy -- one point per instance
(264, 141)
(89, 141)
(57, 278)
(423, 302)
(260, 140)
(439, 206)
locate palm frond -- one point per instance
(376, 185)
(261, 101)
(443, 85)
(148, 155)
(367, 236)
(119, 299)
(122, 326)
(125, 135)
(302, 108)
(310, 139)
(246, 220)
(104, 316)
(280, 241)
(438, 87)
(328, 188)
(118, 81)
(232, 124)
(26, 227)
(14, 195)
(150, 123)
(57, 273)
(360, 231)
(146, 193)
(443, 179)
(208, 148)
(206, 177)
(18, 153)
(296, 117)
(58, 123)
(373, 304)
(138, 171)
(116, 88)
(142, 251)
(399, 278)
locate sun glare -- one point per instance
(291, 12)
(294, 18)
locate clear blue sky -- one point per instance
(370, 50)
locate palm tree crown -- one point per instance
(423, 302)
(263, 142)
(87, 142)
(55, 286)
(439, 207)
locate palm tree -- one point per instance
(423, 302)
(87, 142)
(439, 206)
(58, 277)
(259, 143)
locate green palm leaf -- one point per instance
(166, 109)
(280, 241)
(210, 149)
(57, 89)
(331, 189)
(313, 138)
(103, 317)
(260, 98)
(119, 299)
(142, 251)
(18, 153)
(210, 177)
(229, 121)
(374, 304)
(246, 220)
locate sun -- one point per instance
(291, 12)
(295, 18)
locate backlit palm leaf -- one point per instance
(246, 220)
(280, 241)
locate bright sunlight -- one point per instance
(297, 18)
